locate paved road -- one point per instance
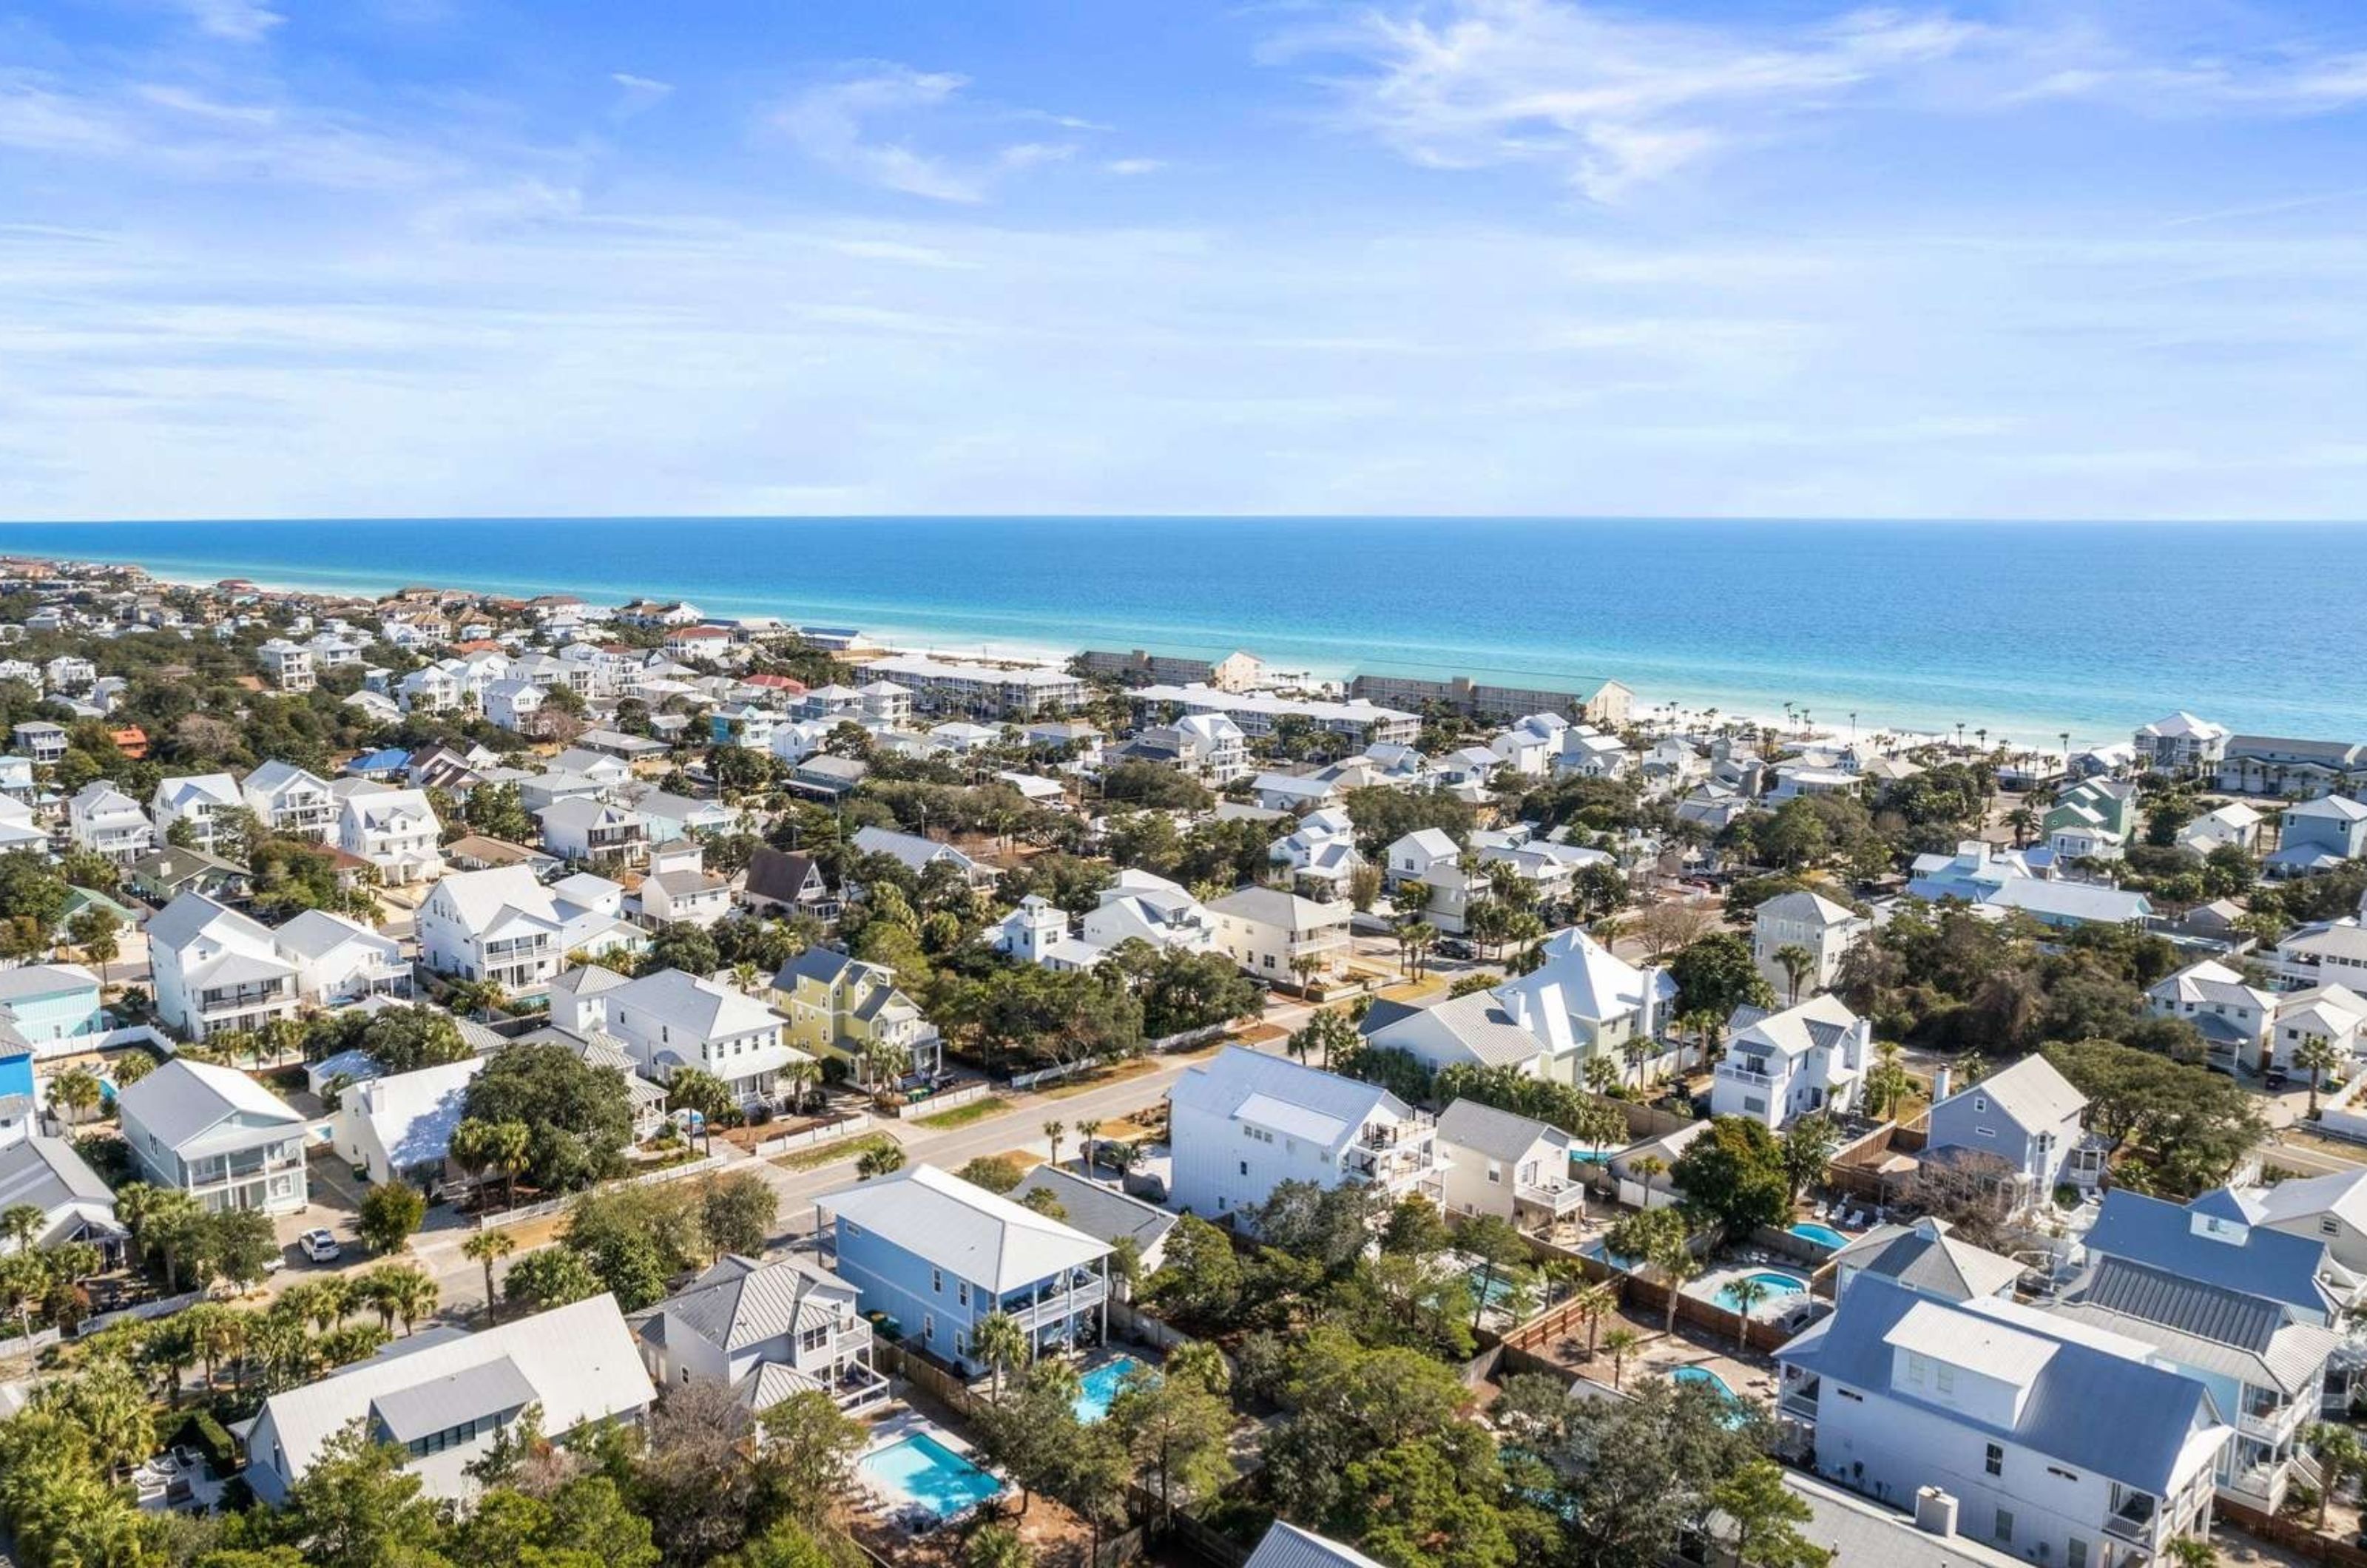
(462, 1282)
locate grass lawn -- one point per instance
(1124, 1070)
(963, 1115)
(829, 1153)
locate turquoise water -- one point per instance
(1493, 1290)
(923, 1471)
(2022, 629)
(1098, 1387)
(1777, 1285)
(1736, 1414)
(1823, 1236)
(1624, 1265)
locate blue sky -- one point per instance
(267, 257)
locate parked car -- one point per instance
(320, 1245)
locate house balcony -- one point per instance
(1060, 1305)
(2137, 1519)
(2270, 1426)
(1729, 1072)
(1558, 1203)
(225, 1002)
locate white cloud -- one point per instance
(638, 93)
(240, 21)
(1134, 165)
(864, 127)
(1609, 100)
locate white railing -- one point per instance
(1061, 1305)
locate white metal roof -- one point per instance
(964, 1229)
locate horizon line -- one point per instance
(1739, 520)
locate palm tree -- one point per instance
(1593, 1305)
(1621, 1342)
(882, 1159)
(1888, 1084)
(1647, 1167)
(2317, 1055)
(513, 1149)
(20, 1223)
(489, 1247)
(2340, 1455)
(1798, 963)
(1748, 1292)
(414, 1296)
(884, 1062)
(1675, 1260)
(800, 1073)
(1054, 1131)
(1002, 1343)
(1085, 1131)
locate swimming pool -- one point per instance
(1737, 1413)
(1624, 1265)
(1823, 1236)
(1771, 1286)
(922, 1471)
(1098, 1388)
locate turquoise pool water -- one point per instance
(1624, 1265)
(923, 1471)
(1823, 1236)
(1775, 1285)
(1098, 1388)
(1736, 1414)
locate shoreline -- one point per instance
(1685, 713)
(1685, 703)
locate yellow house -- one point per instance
(839, 1005)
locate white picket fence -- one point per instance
(829, 1133)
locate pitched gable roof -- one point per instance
(964, 1229)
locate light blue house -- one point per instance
(936, 1253)
(2318, 835)
(15, 775)
(52, 1008)
(17, 1104)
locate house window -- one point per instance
(1917, 1367)
(2004, 1531)
(937, 1282)
(961, 1288)
(1943, 1377)
(928, 1325)
(2329, 1226)
(1245, 1167)
(1495, 1174)
(1995, 1460)
(1980, 1102)
(2075, 1553)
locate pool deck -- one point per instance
(1706, 1287)
(1658, 1354)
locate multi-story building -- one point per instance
(1257, 712)
(844, 1008)
(2318, 835)
(590, 831)
(1021, 690)
(1517, 1169)
(1817, 926)
(215, 970)
(1779, 1066)
(2056, 1440)
(52, 1010)
(216, 1135)
(44, 742)
(2270, 765)
(1243, 1123)
(1606, 702)
(769, 1330)
(289, 664)
(106, 821)
(670, 1020)
(937, 1254)
(500, 924)
(292, 801)
(195, 799)
(1277, 935)
(2181, 744)
(395, 830)
(2020, 1125)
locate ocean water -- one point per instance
(2024, 630)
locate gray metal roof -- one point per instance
(422, 1410)
(1102, 1212)
(1501, 1134)
(1924, 1257)
(741, 1302)
(1288, 1546)
(2201, 1325)
(2272, 1265)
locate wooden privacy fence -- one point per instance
(2291, 1534)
